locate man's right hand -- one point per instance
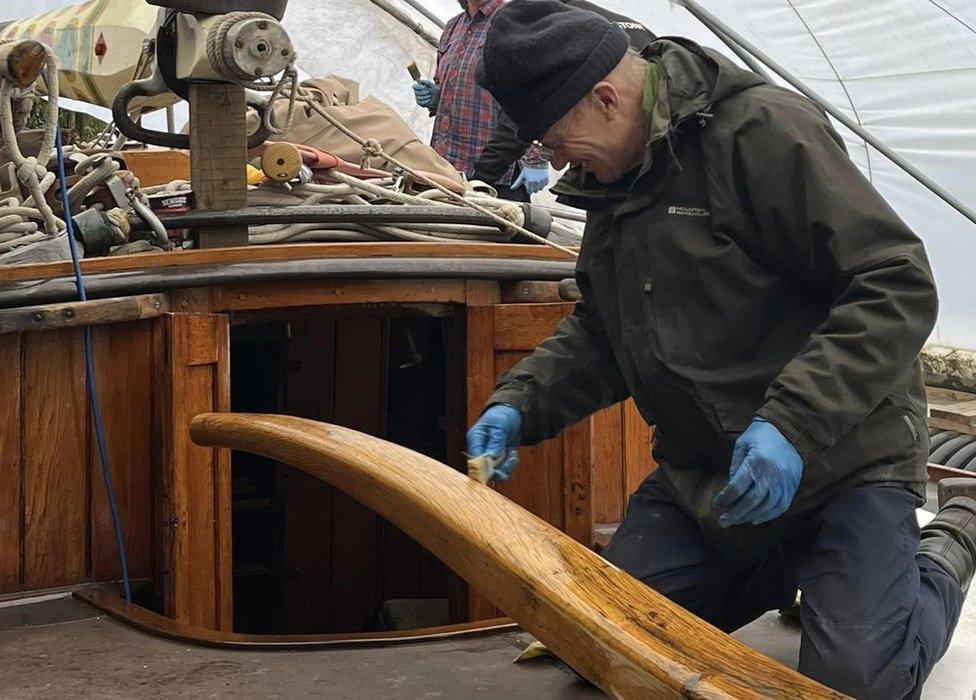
(497, 433)
(426, 93)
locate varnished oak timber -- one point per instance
(145, 620)
(11, 461)
(295, 293)
(194, 491)
(618, 633)
(530, 292)
(295, 251)
(83, 313)
(523, 326)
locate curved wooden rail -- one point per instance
(111, 603)
(624, 637)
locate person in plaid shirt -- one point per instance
(464, 114)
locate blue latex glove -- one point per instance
(427, 94)
(763, 478)
(534, 179)
(497, 433)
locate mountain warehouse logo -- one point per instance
(688, 211)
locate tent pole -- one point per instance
(422, 9)
(754, 65)
(718, 27)
(391, 8)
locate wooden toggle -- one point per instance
(21, 62)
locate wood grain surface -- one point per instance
(615, 631)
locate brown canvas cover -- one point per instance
(367, 117)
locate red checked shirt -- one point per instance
(466, 113)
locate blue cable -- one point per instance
(90, 374)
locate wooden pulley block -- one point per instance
(21, 62)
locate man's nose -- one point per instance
(557, 160)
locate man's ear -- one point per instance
(606, 99)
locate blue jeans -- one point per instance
(875, 616)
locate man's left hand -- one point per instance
(763, 479)
(534, 179)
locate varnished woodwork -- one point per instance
(82, 313)
(627, 639)
(636, 439)
(285, 294)
(55, 438)
(530, 292)
(194, 500)
(10, 463)
(523, 326)
(111, 603)
(123, 371)
(608, 476)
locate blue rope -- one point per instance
(90, 375)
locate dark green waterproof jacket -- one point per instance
(747, 268)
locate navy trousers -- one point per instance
(875, 616)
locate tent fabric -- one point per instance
(904, 69)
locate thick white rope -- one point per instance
(32, 171)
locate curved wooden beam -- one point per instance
(111, 603)
(621, 635)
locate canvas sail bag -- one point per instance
(369, 118)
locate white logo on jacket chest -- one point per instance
(688, 211)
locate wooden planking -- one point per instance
(523, 326)
(537, 483)
(296, 251)
(82, 313)
(285, 294)
(480, 365)
(123, 369)
(636, 440)
(952, 410)
(222, 486)
(577, 478)
(195, 555)
(10, 463)
(195, 482)
(157, 166)
(307, 503)
(360, 403)
(608, 470)
(55, 424)
(620, 634)
(525, 292)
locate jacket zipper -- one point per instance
(911, 427)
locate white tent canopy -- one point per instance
(903, 69)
